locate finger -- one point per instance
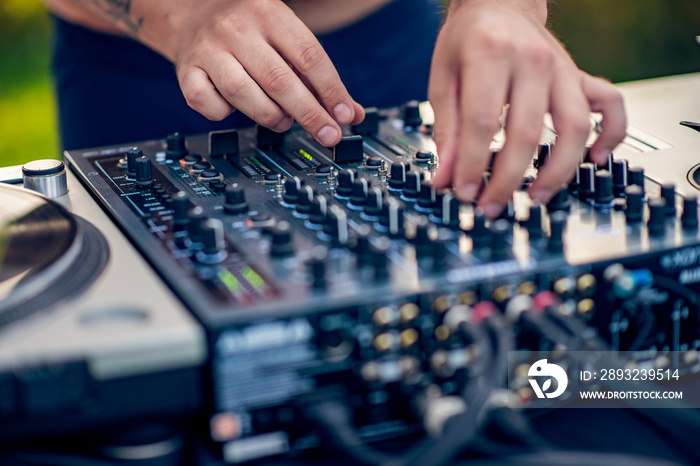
(606, 99)
(481, 104)
(571, 117)
(443, 95)
(359, 113)
(240, 90)
(201, 95)
(529, 101)
(303, 51)
(278, 80)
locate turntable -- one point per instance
(80, 345)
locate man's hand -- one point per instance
(495, 52)
(255, 56)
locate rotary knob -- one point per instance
(131, 156)
(412, 186)
(657, 217)
(534, 221)
(603, 189)
(373, 206)
(291, 190)
(346, 178)
(281, 243)
(175, 148)
(397, 175)
(586, 181)
(411, 114)
(619, 174)
(144, 172)
(635, 203)
(668, 193)
(689, 217)
(47, 177)
(427, 196)
(305, 200)
(234, 201)
(360, 190)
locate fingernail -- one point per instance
(342, 114)
(284, 126)
(328, 135)
(492, 210)
(542, 195)
(468, 192)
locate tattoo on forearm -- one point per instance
(119, 11)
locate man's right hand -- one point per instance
(254, 56)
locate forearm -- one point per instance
(536, 9)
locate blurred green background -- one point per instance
(622, 40)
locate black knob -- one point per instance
(411, 114)
(450, 211)
(439, 254)
(317, 267)
(586, 182)
(381, 260)
(234, 200)
(212, 232)
(437, 206)
(422, 157)
(543, 153)
(508, 213)
(427, 196)
(319, 210)
(360, 189)
(373, 206)
(131, 157)
(144, 174)
(412, 186)
(557, 224)
(635, 176)
(603, 189)
(635, 203)
(180, 205)
(397, 175)
(218, 187)
(194, 227)
(291, 190)
(657, 217)
(560, 201)
(175, 146)
(500, 229)
(346, 178)
(668, 193)
(689, 217)
(619, 174)
(305, 200)
(281, 244)
(349, 149)
(199, 167)
(425, 235)
(479, 233)
(190, 159)
(209, 174)
(534, 221)
(363, 247)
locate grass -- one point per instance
(27, 112)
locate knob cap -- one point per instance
(281, 244)
(500, 229)
(144, 173)
(668, 193)
(194, 226)
(427, 196)
(349, 149)
(543, 153)
(373, 206)
(603, 189)
(411, 114)
(213, 237)
(560, 201)
(557, 224)
(291, 190)
(425, 235)
(450, 211)
(305, 200)
(317, 267)
(47, 177)
(392, 217)
(346, 178)
(412, 186)
(619, 173)
(397, 175)
(657, 217)
(534, 221)
(635, 203)
(175, 148)
(586, 182)
(360, 189)
(635, 176)
(234, 201)
(479, 233)
(131, 156)
(689, 217)
(319, 210)
(180, 205)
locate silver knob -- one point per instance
(46, 176)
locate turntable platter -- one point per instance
(46, 253)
